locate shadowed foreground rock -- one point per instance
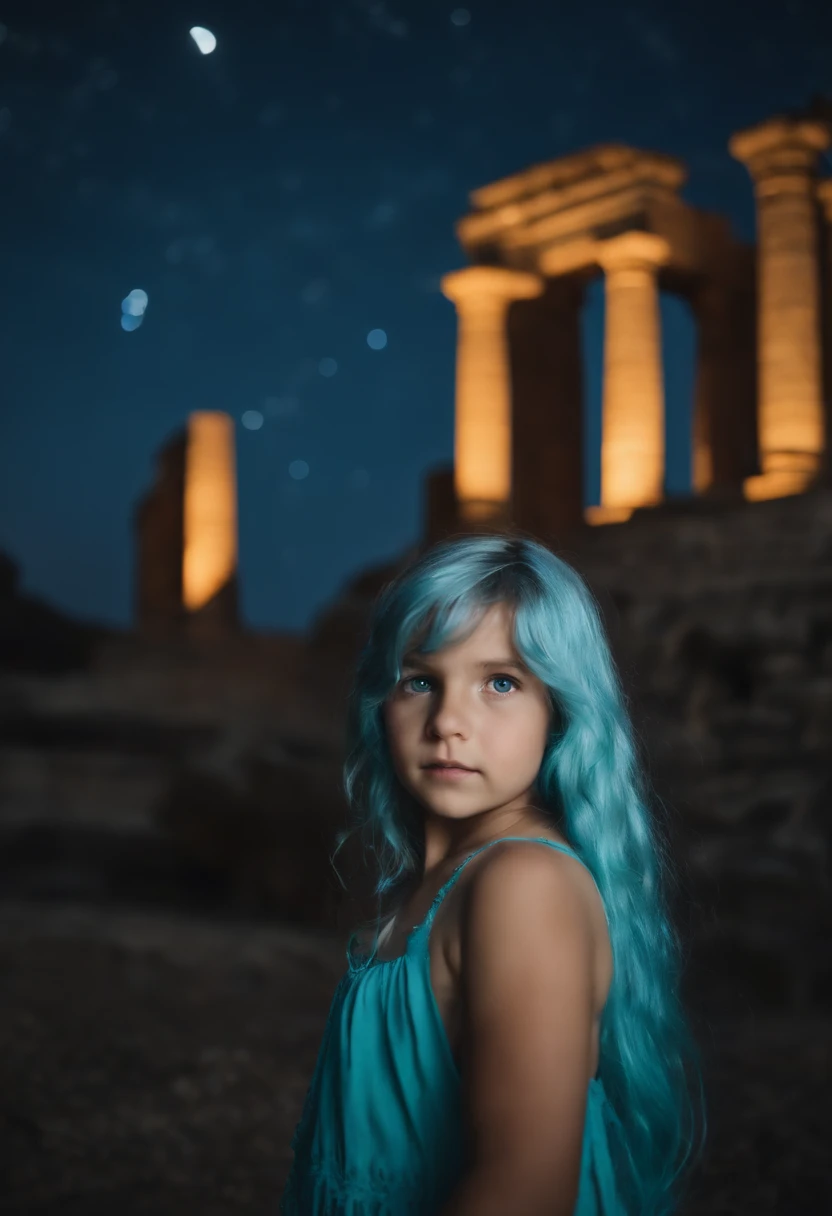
(158, 1064)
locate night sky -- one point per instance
(280, 199)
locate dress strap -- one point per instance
(445, 888)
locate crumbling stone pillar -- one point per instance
(483, 422)
(633, 423)
(186, 534)
(781, 157)
(209, 566)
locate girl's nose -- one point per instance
(448, 717)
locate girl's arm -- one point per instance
(527, 1000)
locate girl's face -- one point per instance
(476, 704)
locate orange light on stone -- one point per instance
(607, 515)
(210, 550)
(483, 414)
(779, 483)
(781, 157)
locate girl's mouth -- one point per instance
(449, 772)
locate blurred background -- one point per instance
(291, 292)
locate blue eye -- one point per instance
(410, 680)
(503, 680)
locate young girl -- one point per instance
(514, 1043)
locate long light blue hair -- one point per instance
(590, 782)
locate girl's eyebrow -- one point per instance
(415, 660)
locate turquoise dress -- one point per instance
(381, 1129)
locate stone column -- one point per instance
(210, 521)
(632, 427)
(781, 157)
(483, 424)
(825, 201)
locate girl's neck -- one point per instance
(443, 854)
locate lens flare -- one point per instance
(134, 304)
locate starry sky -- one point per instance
(287, 204)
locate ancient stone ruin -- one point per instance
(186, 526)
(764, 365)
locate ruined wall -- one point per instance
(722, 622)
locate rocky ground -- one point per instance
(157, 1063)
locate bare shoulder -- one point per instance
(534, 877)
(519, 880)
(546, 902)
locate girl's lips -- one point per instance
(449, 774)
